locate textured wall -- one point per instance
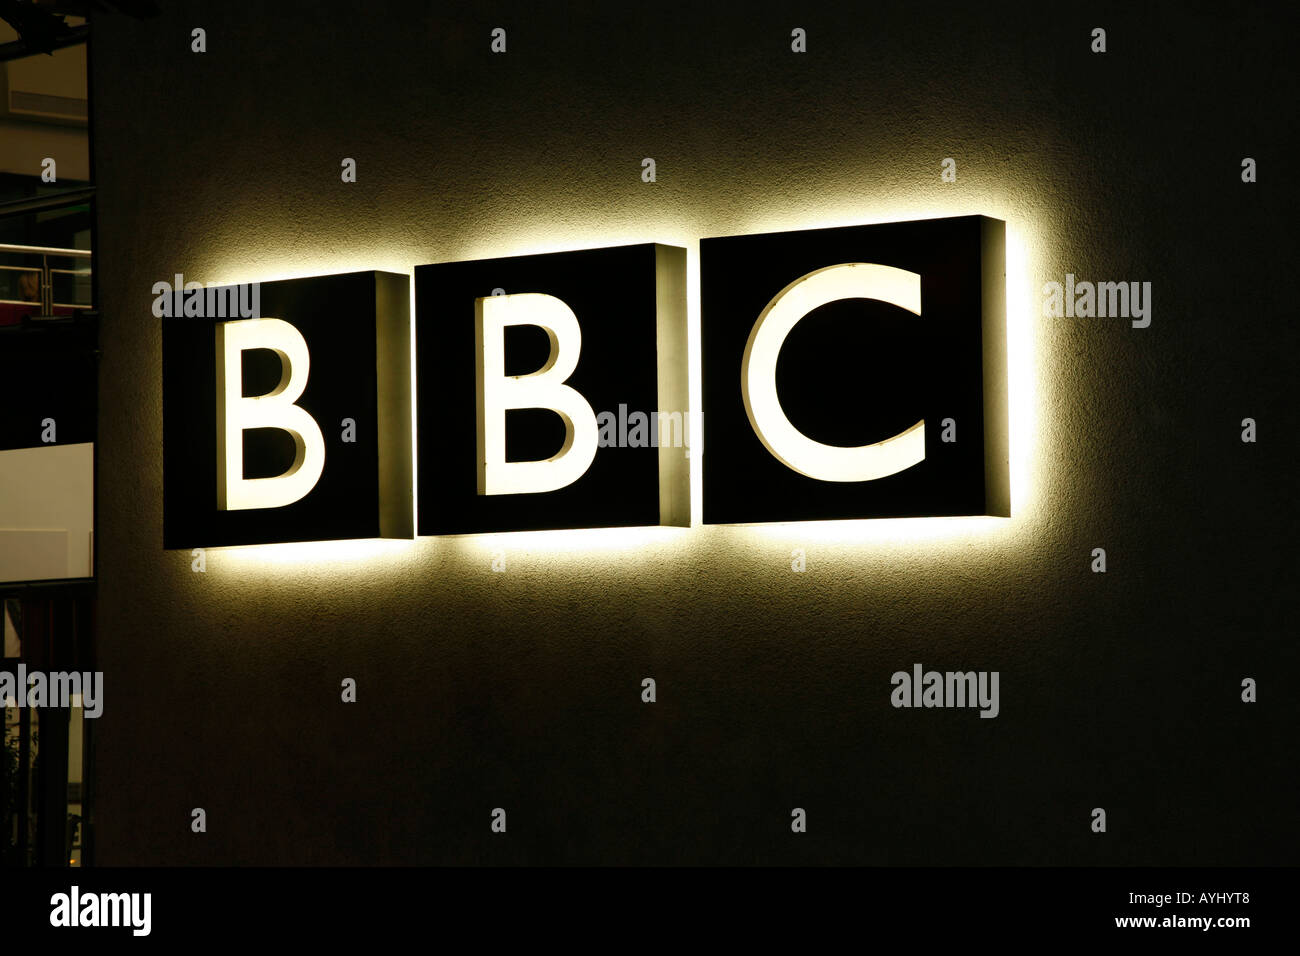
(521, 689)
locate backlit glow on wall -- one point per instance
(1029, 253)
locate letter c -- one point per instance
(850, 280)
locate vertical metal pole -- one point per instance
(47, 288)
(23, 806)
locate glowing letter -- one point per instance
(544, 388)
(235, 414)
(850, 280)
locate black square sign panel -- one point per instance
(293, 424)
(855, 372)
(552, 391)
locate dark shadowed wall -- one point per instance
(521, 689)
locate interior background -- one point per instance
(521, 689)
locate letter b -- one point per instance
(276, 409)
(545, 388)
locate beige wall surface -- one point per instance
(47, 501)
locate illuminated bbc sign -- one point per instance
(847, 373)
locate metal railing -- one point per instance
(45, 275)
